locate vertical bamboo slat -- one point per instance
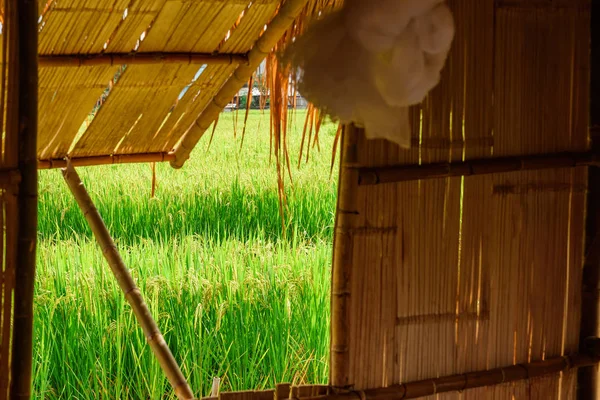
(590, 307)
(346, 216)
(27, 16)
(10, 96)
(132, 293)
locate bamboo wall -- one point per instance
(444, 276)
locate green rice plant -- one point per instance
(254, 313)
(221, 193)
(234, 296)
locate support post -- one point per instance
(346, 220)
(27, 198)
(132, 293)
(587, 379)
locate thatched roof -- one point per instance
(142, 113)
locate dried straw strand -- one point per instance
(212, 135)
(317, 130)
(334, 148)
(248, 104)
(310, 130)
(126, 283)
(306, 121)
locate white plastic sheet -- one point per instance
(370, 61)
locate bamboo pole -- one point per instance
(84, 60)
(105, 160)
(276, 28)
(497, 376)
(346, 216)
(588, 385)
(587, 379)
(131, 291)
(402, 173)
(27, 37)
(9, 217)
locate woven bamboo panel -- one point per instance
(197, 26)
(250, 25)
(189, 107)
(140, 15)
(241, 39)
(66, 97)
(79, 26)
(144, 111)
(143, 96)
(457, 275)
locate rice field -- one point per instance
(234, 295)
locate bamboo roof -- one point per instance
(145, 111)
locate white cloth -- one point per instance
(372, 59)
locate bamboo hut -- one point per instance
(464, 268)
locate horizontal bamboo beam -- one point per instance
(132, 293)
(402, 173)
(82, 60)
(105, 160)
(462, 382)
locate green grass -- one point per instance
(233, 295)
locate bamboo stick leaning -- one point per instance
(126, 283)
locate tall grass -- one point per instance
(233, 296)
